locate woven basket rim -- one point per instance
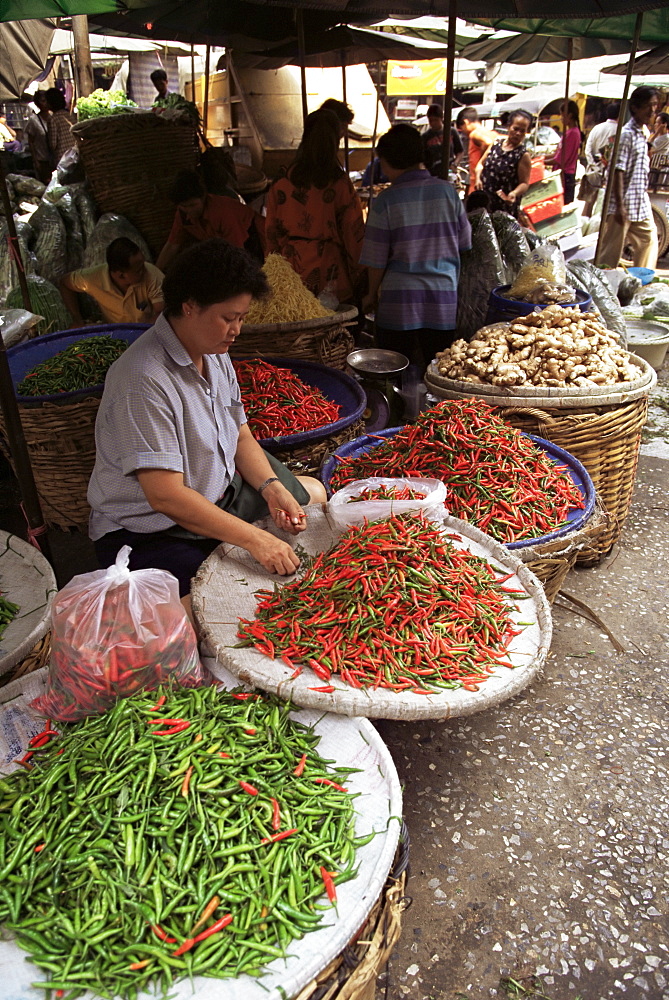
(346, 314)
(134, 120)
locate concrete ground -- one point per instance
(539, 834)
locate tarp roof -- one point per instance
(24, 50)
(655, 27)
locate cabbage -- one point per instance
(103, 102)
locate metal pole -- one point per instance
(299, 17)
(192, 74)
(343, 92)
(448, 91)
(616, 141)
(10, 408)
(205, 99)
(376, 125)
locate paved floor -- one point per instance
(539, 835)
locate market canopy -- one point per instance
(656, 61)
(24, 50)
(24, 10)
(527, 49)
(654, 29)
(345, 43)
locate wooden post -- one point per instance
(448, 91)
(376, 125)
(82, 55)
(205, 96)
(301, 49)
(616, 141)
(193, 95)
(10, 407)
(344, 95)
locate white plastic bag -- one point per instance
(115, 632)
(545, 262)
(346, 509)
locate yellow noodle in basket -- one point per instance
(289, 301)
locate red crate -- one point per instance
(545, 209)
(538, 171)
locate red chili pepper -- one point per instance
(250, 732)
(40, 847)
(184, 947)
(139, 965)
(214, 929)
(300, 767)
(324, 689)
(221, 754)
(278, 836)
(185, 785)
(333, 784)
(250, 789)
(276, 814)
(329, 885)
(160, 933)
(159, 704)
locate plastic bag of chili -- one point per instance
(113, 633)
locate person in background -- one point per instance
(37, 134)
(630, 219)
(161, 83)
(433, 141)
(659, 140)
(415, 232)
(60, 125)
(373, 174)
(202, 216)
(597, 155)
(314, 216)
(8, 136)
(177, 470)
(126, 288)
(341, 110)
(566, 155)
(479, 139)
(504, 169)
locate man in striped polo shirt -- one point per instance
(415, 232)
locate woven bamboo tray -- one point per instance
(61, 444)
(326, 340)
(552, 561)
(131, 161)
(307, 459)
(37, 658)
(353, 974)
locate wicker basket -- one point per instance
(552, 561)
(600, 427)
(131, 161)
(353, 973)
(306, 460)
(37, 657)
(61, 445)
(326, 340)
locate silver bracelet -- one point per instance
(272, 479)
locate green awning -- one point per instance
(27, 10)
(655, 28)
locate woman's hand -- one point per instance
(511, 197)
(284, 509)
(273, 554)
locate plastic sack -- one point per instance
(46, 300)
(26, 185)
(51, 243)
(481, 269)
(345, 509)
(9, 274)
(115, 632)
(654, 299)
(16, 324)
(543, 262)
(513, 244)
(582, 274)
(108, 227)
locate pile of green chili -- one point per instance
(8, 612)
(82, 365)
(193, 834)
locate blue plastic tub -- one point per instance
(25, 356)
(644, 274)
(503, 310)
(576, 517)
(336, 385)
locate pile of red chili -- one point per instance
(386, 492)
(277, 401)
(496, 478)
(393, 604)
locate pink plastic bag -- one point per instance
(115, 632)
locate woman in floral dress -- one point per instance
(504, 169)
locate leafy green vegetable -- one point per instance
(179, 103)
(103, 102)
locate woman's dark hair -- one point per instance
(119, 252)
(316, 162)
(209, 272)
(342, 111)
(571, 108)
(663, 117)
(55, 99)
(641, 96)
(186, 185)
(401, 146)
(520, 113)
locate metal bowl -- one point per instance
(374, 361)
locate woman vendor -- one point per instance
(202, 216)
(314, 216)
(504, 169)
(177, 470)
